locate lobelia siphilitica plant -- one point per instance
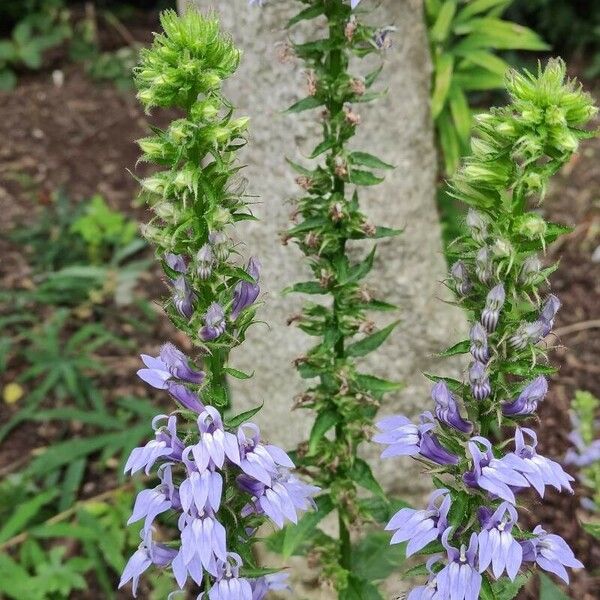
(327, 217)
(478, 444)
(219, 481)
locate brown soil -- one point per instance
(80, 136)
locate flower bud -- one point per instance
(483, 265)
(153, 147)
(220, 244)
(493, 304)
(502, 248)
(167, 211)
(155, 184)
(555, 115)
(531, 226)
(204, 262)
(479, 343)
(530, 270)
(528, 333)
(478, 224)
(479, 380)
(460, 276)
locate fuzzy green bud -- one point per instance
(531, 226)
(501, 248)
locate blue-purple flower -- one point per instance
(483, 265)
(215, 443)
(551, 553)
(549, 310)
(203, 537)
(246, 293)
(214, 322)
(263, 585)
(527, 402)
(538, 470)
(280, 501)
(492, 474)
(528, 333)
(203, 489)
(165, 445)
(420, 527)
(446, 408)
(170, 363)
(493, 305)
(147, 554)
(407, 439)
(497, 546)
(459, 579)
(229, 585)
(151, 503)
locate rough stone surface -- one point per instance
(409, 268)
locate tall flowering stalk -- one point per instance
(480, 462)
(325, 219)
(218, 480)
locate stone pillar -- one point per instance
(409, 268)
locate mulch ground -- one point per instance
(80, 136)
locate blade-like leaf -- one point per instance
(371, 342)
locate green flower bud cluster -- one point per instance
(197, 195)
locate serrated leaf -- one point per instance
(323, 423)
(371, 342)
(307, 14)
(383, 232)
(296, 534)
(238, 374)
(460, 348)
(307, 287)
(360, 589)
(360, 177)
(307, 103)
(376, 385)
(242, 417)
(504, 589)
(368, 160)
(361, 473)
(323, 147)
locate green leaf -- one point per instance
(461, 113)
(360, 270)
(242, 417)
(360, 589)
(323, 147)
(441, 28)
(63, 530)
(473, 79)
(592, 529)
(308, 224)
(368, 160)
(237, 373)
(476, 7)
(371, 342)
(305, 15)
(323, 423)
(383, 232)
(444, 68)
(373, 559)
(500, 35)
(8, 51)
(361, 473)
(449, 142)
(504, 589)
(376, 385)
(486, 592)
(486, 60)
(305, 104)
(359, 177)
(8, 80)
(549, 590)
(460, 348)
(307, 287)
(24, 513)
(296, 534)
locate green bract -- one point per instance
(197, 195)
